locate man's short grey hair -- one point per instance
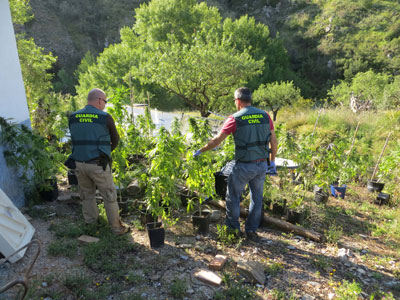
(243, 94)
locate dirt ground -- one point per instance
(294, 267)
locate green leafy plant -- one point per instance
(165, 170)
(227, 236)
(37, 160)
(177, 288)
(348, 291)
(333, 234)
(198, 170)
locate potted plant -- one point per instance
(199, 175)
(295, 210)
(156, 233)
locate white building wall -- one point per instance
(12, 98)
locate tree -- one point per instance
(246, 34)
(180, 46)
(202, 74)
(35, 66)
(367, 86)
(157, 20)
(276, 95)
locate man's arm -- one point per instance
(274, 145)
(113, 132)
(214, 142)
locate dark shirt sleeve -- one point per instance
(113, 132)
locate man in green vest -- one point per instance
(255, 152)
(94, 136)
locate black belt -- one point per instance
(253, 161)
(93, 161)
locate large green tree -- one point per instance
(202, 74)
(184, 48)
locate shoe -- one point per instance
(252, 236)
(124, 229)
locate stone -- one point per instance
(343, 254)
(392, 284)
(361, 271)
(218, 262)
(87, 239)
(307, 297)
(184, 257)
(291, 247)
(64, 198)
(208, 277)
(184, 246)
(252, 271)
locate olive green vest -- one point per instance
(89, 134)
(252, 134)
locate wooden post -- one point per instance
(380, 156)
(316, 122)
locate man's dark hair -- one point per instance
(243, 94)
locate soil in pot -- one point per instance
(321, 197)
(382, 199)
(201, 222)
(51, 193)
(294, 217)
(374, 186)
(147, 217)
(156, 234)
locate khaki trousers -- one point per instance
(89, 176)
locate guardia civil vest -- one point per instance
(252, 134)
(89, 134)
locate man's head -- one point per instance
(97, 98)
(242, 97)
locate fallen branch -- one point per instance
(285, 226)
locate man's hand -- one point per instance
(272, 169)
(197, 153)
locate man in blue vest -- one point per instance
(94, 136)
(255, 152)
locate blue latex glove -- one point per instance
(271, 169)
(197, 153)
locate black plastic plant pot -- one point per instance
(382, 199)
(147, 217)
(184, 199)
(338, 191)
(374, 186)
(201, 222)
(72, 179)
(279, 208)
(221, 183)
(50, 194)
(294, 217)
(321, 197)
(156, 234)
